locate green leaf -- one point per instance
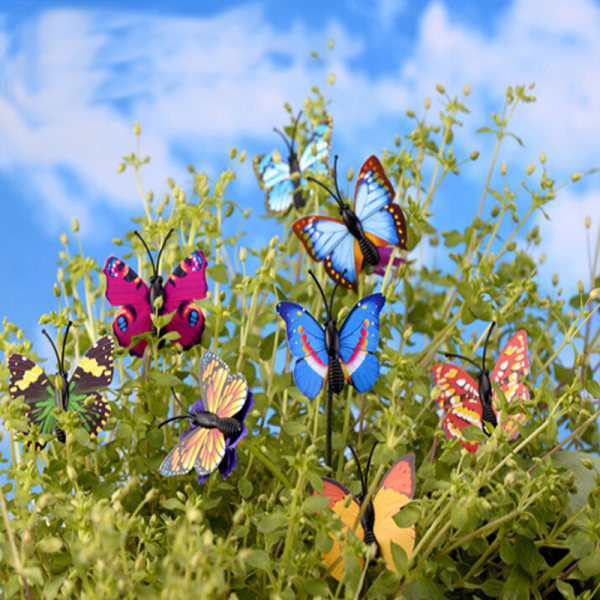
(315, 587)
(218, 273)
(593, 388)
(245, 488)
(407, 516)
(50, 545)
(399, 557)
(323, 541)
(565, 589)
(584, 477)
(272, 523)
(423, 589)
(528, 556)
(259, 559)
(590, 565)
(516, 586)
(314, 504)
(172, 504)
(581, 543)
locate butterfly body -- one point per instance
(94, 372)
(376, 525)
(467, 402)
(138, 301)
(227, 426)
(374, 222)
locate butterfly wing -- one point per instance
(318, 146)
(306, 339)
(337, 494)
(359, 337)
(29, 380)
(187, 282)
(223, 394)
(328, 239)
(459, 396)
(274, 178)
(512, 367)
(94, 413)
(95, 371)
(382, 220)
(192, 450)
(395, 491)
(125, 288)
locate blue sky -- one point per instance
(75, 76)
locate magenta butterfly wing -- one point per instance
(126, 289)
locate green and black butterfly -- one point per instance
(95, 371)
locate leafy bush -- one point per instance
(515, 519)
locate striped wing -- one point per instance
(202, 449)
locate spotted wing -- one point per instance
(186, 283)
(125, 288)
(95, 370)
(274, 178)
(512, 368)
(30, 381)
(459, 396)
(306, 339)
(359, 337)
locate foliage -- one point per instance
(515, 519)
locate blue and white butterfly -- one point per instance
(344, 244)
(282, 180)
(328, 355)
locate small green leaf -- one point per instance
(272, 522)
(407, 516)
(50, 545)
(314, 504)
(259, 559)
(245, 488)
(218, 273)
(172, 504)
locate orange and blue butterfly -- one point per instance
(467, 402)
(376, 222)
(328, 355)
(282, 180)
(217, 423)
(376, 525)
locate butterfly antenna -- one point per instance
(148, 251)
(62, 358)
(296, 123)
(452, 355)
(183, 408)
(335, 287)
(162, 248)
(487, 339)
(322, 293)
(44, 332)
(337, 197)
(285, 139)
(369, 462)
(360, 473)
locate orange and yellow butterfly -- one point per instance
(217, 423)
(377, 525)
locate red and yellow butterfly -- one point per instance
(377, 525)
(217, 422)
(469, 403)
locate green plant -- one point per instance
(515, 519)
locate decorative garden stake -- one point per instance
(471, 403)
(217, 423)
(376, 221)
(138, 302)
(326, 354)
(94, 372)
(282, 180)
(376, 525)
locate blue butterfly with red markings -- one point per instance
(376, 222)
(326, 354)
(125, 288)
(282, 180)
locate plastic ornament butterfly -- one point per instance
(470, 403)
(326, 354)
(138, 301)
(282, 180)
(217, 423)
(376, 221)
(94, 372)
(377, 525)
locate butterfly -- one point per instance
(125, 288)
(377, 525)
(217, 423)
(376, 221)
(94, 372)
(282, 180)
(471, 403)
(325, 353)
